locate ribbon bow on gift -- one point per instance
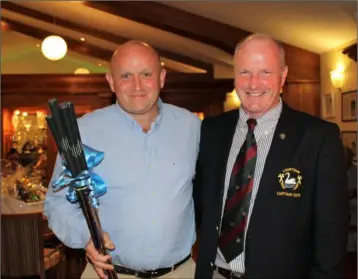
(86, 178)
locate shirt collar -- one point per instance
(266, 123)
(134, 124)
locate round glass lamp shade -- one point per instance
(54, 47)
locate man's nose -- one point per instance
(254, 81)
(137, 82)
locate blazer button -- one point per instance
(217, 228)
(211, 264)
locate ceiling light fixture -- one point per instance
(81, 71)
(54, 47)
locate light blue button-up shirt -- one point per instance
(148, 209)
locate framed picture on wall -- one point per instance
(328, 105)
(349, 106)
(349, 139)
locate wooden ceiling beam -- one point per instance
(351, 51)
(303, 64)
(85, 30)
(175, 21)
(74, 45)
(101, 34)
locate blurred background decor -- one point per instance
(22, 183)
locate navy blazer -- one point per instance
(295, 231)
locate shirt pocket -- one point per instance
(179, 166)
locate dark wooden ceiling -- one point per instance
(351, 51)
(212, 33)
(76, 46)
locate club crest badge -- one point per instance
(290, 180)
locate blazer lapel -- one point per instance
(225, 138)
(285, 139)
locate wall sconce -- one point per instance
(337, 78)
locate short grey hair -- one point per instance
(259, 36)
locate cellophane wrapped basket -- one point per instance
(22, 183)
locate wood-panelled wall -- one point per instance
(196, 92)
(303, 96)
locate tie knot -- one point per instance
(251, 124)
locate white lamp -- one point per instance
(54, 47)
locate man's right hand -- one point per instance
(98, 260)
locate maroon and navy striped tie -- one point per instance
(231, 241)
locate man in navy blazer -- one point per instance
(296, 222)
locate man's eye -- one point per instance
(125, 76)
(244, 72)
(147, 74)
(266, 72)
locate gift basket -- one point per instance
(24, 184)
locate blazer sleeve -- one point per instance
(331, 207)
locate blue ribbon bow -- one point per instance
(86, 178)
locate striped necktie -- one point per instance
(231, 241)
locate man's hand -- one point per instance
(98, 260)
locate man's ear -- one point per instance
(110, 81)
(284, 75)
(163, 74)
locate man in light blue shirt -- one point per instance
(150, 154)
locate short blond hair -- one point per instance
(259, 36)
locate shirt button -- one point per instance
(232, 224)
(244, 213)
(238, 240)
